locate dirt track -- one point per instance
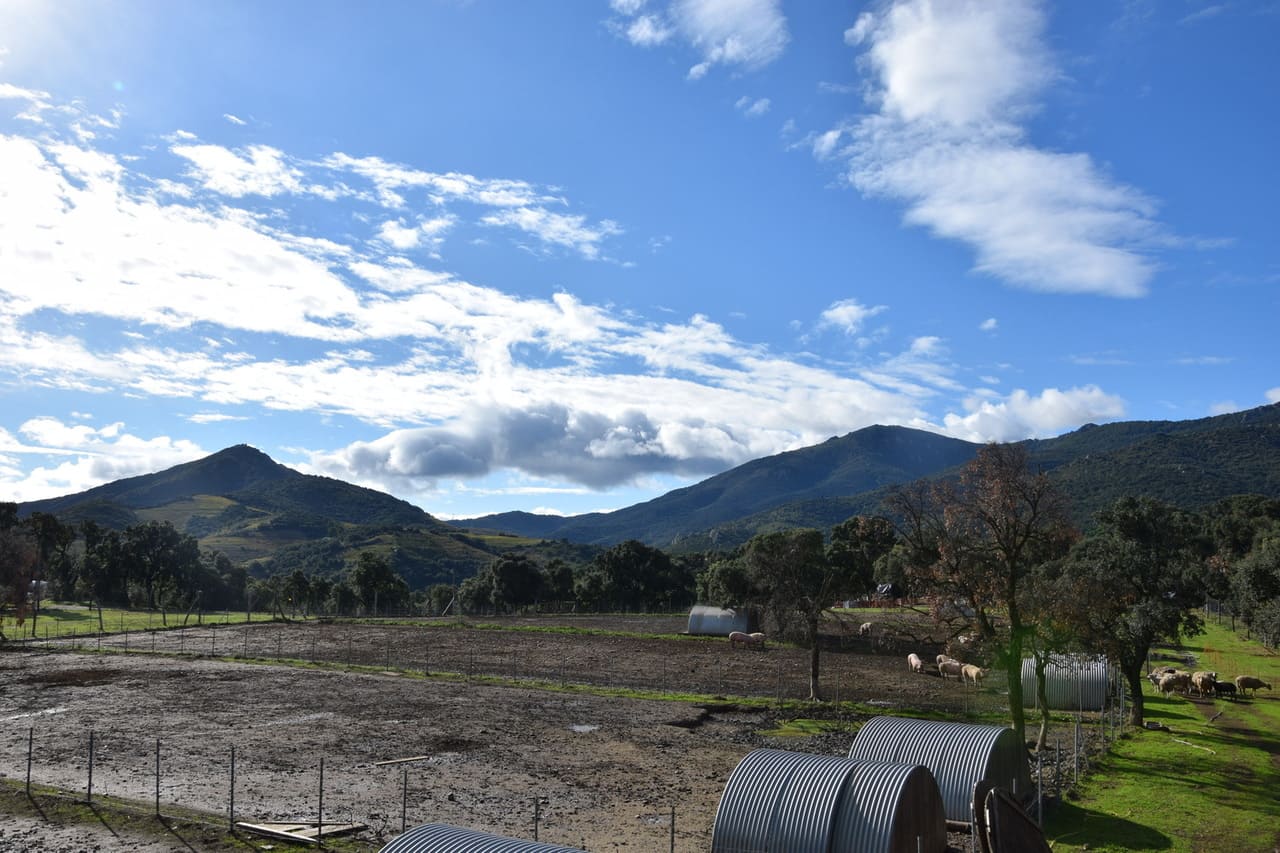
(607, 771)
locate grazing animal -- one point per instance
(942, 659)
(1248, 682)
(951, 667)
(1224, 688)
(1156, 674)
(1172, 681)
(969, 672)
(1203, 681)
(864, 630)
(913, 661)
(745, 639)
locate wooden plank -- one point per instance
(400, 760)
(305, 833)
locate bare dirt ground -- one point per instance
(606, 771)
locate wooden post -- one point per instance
(404, 800)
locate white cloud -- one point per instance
(989, 325)
(569, 230)
(399, 235)
(849, 315)
(750, 108)
(953, 81)
(1273, 395)
(746, 33)
(91, 457)
(258, 170)
(1021, 415)
(648, 31)
(234, 119)
(1224, 407)
(750, 33)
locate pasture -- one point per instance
(609, 721)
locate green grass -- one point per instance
(1207, 784)
(61, 619)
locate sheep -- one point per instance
(1172, 681)
(1154, 675)
(736, 637)
(969, 672)
(1248, 682)
(941, 659)
(951, 667)
(864, 630)
(1224, 688)
(1203, 681)
(913, 661)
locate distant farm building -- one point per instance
(718, 621)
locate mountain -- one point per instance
(1188, 463)
(245, 504)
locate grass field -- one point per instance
(60, 619)
(1209, 783)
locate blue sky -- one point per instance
(566, 257)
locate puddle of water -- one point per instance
(583, 728)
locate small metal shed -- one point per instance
(802, 803)
(719, 621)
(442, 838)
(958, 754)
(1071, 682)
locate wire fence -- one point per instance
(212, 772)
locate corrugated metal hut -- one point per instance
(958, 755)
(718, 621)
(803, 803)
(442, 838)
(1071, 682)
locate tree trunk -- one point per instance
(1042, 700)
(1013, 676)
(1133, 674)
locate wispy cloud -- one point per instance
(752, 108)
(953, 85)
(744, 33)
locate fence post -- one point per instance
(404, 800)
(157, 777)
(320, 811)
(31, 738)
(1040, 788)
(537, 804)
(673, 829)
(89, 791)
(231, 807)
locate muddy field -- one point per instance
(606, 771)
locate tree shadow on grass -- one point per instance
(1080, 827)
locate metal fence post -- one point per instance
(31, 738)
(89, 790)
(404, 800)
(157, 777)
(231, 804)
(320, 811)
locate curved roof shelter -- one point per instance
(958, 754)
(442, 838)
(802, 803)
